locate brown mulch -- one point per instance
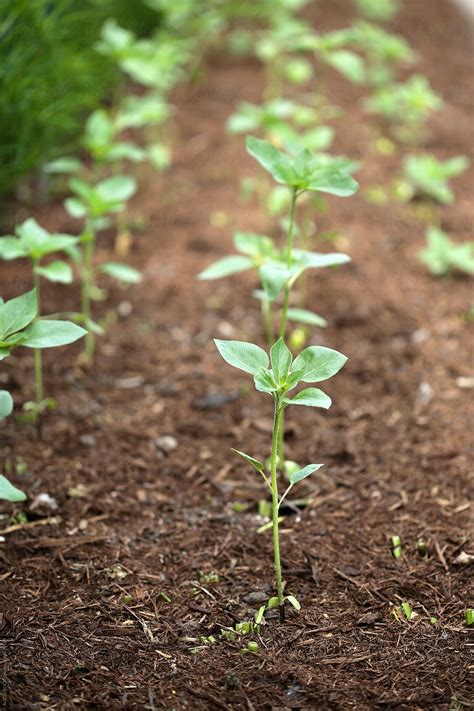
(105, 599)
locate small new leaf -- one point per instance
(250, 460)
(225, 267)
(280, 356)
(311, 397)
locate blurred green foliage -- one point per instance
(51, 77)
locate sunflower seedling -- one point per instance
(428, 177)
(378, 10)
(33, 242)
(406, 107)
(19, 326)
(276, 376)
(93, 203)
(442, 256)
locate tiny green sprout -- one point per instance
(35, 243)
(165, 597)
(252, 647)
(433, 620)
(208, 578)
(421, 547)
(407, 610)
(397, 551)
(276, 375)
(93, 204)
(406, 106)
(429, 176)
(469, 616)
(20, 326)
(127, 599)
(442, 255)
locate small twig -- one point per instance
(441, 556)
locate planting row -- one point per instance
(289, 135)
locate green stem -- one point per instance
(38, 358)
(289, 251)
(275, 502)
(86, 287)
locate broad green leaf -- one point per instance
(11, 248)
(305, 316)
(54, 243)
(6, 404)
(278, 164)
(17, 313)
(280, 357)
(273, 278)
(318, 363)
(301, 474)
(121, 272)
(225, 267)
(8, 492)
(58, 271)
(49, 333)
(126, 151)
(245, 356)
(250, 460)
(348, 64)
(68, 164)
(32, 233)
(117, 189)
(253, 245)
(311, 397)
(334, 182)
(4, 352)
(75, 208)
(264, 382)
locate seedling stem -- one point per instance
(277, 422)
(88, 242)
(38, 358)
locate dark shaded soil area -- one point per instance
(104, 600)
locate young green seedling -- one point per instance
(406, 107)
(277, 375)
(301, 173)
(260, 254)
(378, 10)
(442, 255)
(382, 50)
(428, 177)
(93, 204)
(33, 242)
(19, 326)
(8, 492)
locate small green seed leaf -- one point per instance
(225, 267)
(303, 473)
(293, 601)
(304, 316)
(58, 271)
(8, 492)
(6, 404)
(253, 462)
(48, 334)
(121, 272)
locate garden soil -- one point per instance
(150, 545)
